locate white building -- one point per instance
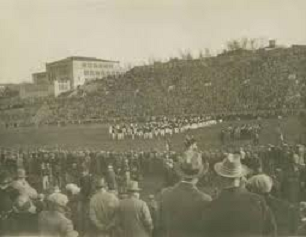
(78, 70)
(67, 74)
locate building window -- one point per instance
(86, 73)
(92, 73)
(89, 65)
(95, 65)
(97, 73)
(84, 64)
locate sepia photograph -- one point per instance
(153, 118)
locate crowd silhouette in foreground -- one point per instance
(244, 191)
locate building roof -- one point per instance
(81, 58)
(39, 73)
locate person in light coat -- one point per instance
(53, 222)
(22, 185)
(103, 208)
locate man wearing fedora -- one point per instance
(236, 212)
(103, 208)
(134, 215)
(22, 185)
(180, 206)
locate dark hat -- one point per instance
(133, 186)
(231, 167)
(190, 165)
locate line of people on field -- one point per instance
(150, 130)
(241, 132)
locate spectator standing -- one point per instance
(102, 211)
(134, 215)
(111, 178)
(286, 214)
(22, 185)
(181, 206)
(6, 203)
(53, 222)
(236, 212)
(73, 204)
(86, 182)
(153, 207)
(24, 217)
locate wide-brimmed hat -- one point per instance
(231, 167)
(21, 173)
(133, 186)
(190, 165)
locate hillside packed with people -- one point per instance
(61, 192)
(241, 81)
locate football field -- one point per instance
(96, 136)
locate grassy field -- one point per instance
(96, 136)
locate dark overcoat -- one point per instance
(237, 212)
(180, 209)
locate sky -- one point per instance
(34, 32)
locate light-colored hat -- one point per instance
(190, 165)
(21, 173)
(133, 186)
(73, 188)
(58, 199)
(231, 167)
(260, 183)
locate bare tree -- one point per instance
(245, 43)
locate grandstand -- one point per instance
(240, 81)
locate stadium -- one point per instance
(197, 144)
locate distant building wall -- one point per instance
(61, 87)
(40, 78)
(35, 91)
(88, 70)
(79, 70)
(60, 71)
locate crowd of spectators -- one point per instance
(229, 83)
(42, 174)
